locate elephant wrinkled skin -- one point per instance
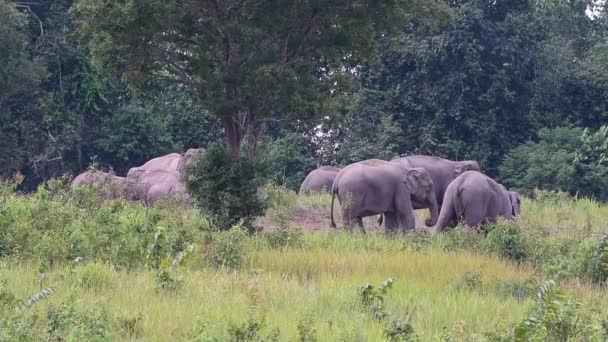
(150, 186)
(112, 186)
(478, 199)
(442, 172)
(373, 187)
(320, 179)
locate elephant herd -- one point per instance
(450, 190)
(159, 178)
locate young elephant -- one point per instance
(320, 179)
(373, 187)
(478, 199)
(112, 186)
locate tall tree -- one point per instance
(244, 60)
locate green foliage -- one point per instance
(226, 250)
(599, 263)
(60, 228)
(288, 159)
(226, 188)
(460, 238)
(520, 290)
(372, 298)
(246, 60)
(558, 318)
(167, 282)
(306, 331)
(249, 331)
(284, 238)
(566, 159)
(70, 324)
(506, 240)
(398, 331)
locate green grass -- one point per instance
(452, 285)
(291, 286)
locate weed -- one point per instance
(372, 298)
(249, 331)
(306, 331)
(399, 331)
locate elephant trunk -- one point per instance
(434, 212)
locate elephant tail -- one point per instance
(334, 191)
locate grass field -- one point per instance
(303, 280)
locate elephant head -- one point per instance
(187, 158)
(418, 182)
(466, 165)
(515, 202)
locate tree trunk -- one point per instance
(234, 134)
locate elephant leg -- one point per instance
(474, 217)
(360, 224)
(390, 223)
(348, 219)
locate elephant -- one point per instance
(320, 179)
(167, 162)
(174, 163)
(374, 186)
(442, 172)
(112, 185)
(190, 156)
(478, 199)
(150, 186)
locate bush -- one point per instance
(61, 228)
(226, 249)
(226, 188)
(506, 241)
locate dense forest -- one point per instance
(521, 86)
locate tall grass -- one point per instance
(93, 255)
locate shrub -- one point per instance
(226, 249)
(226, 188)
(60, 229)
(250, 331)
(556, 317)
(306, 331)
(399, 331)
(372, 298)
(506, 240)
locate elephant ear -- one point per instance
(411, 178)
(515, 202)
(468, 165)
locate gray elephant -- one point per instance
(188, 158)
(477, 198)
(373, 187)
(442, 172)
(173, 163)
(150, 186)
(320, 179)
(112, 186)
(168, 162)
